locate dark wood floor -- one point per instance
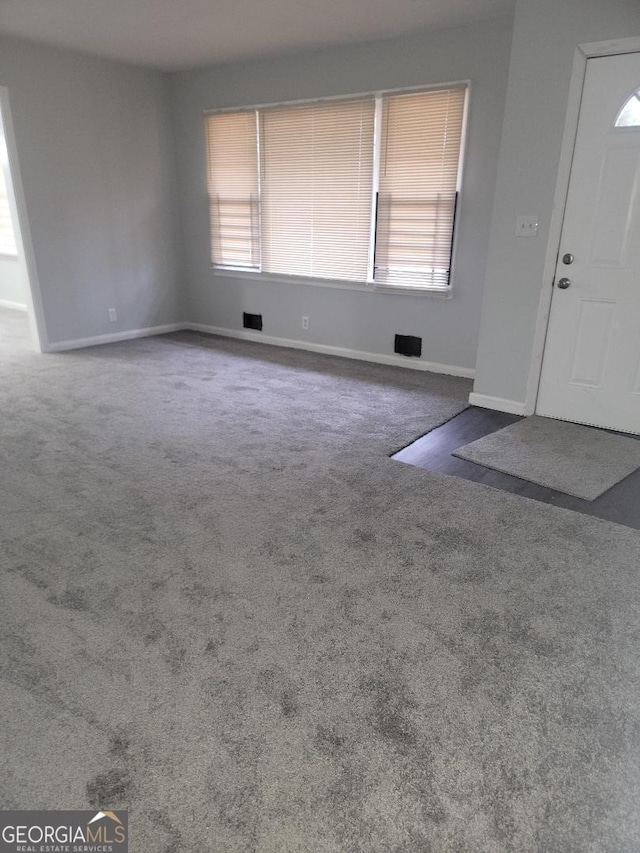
(433, 452)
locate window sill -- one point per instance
(362, 287)
(439, 292)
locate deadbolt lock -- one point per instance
(568, 259)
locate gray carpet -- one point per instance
(225, 609)
(578, 460)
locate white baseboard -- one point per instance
(512, 407)
(259, 337)
(13, 306)
(376, 358)
(79, 343)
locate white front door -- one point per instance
(591, 367)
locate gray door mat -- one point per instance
(571, 458)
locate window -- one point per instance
(629, 115)
(360, 189)
(7, 236)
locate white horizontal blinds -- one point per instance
(232, 170)
(316, 170)
(7, 236)
(419, 155)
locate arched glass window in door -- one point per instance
(629, 115)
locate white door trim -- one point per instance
(26, 255)
(582, 53)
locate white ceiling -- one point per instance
(172, 34)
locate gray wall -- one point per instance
(96, 157)
(546, 33)
(351, 318)
(12, 286)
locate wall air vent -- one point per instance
(252, 321)
(408, 345)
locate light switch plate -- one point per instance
(527, 226)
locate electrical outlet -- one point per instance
(113, 315)
(305, 323)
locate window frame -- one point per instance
(8, 240)
(368, 285)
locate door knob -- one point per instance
(564, 283)
(568, 259)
